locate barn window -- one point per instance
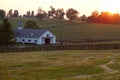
(35, 40)
(47, 35)
(29, 40)
(23, 40)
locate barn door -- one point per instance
(47, 40)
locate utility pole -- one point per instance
(61, 42)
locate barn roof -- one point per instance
(29, 33)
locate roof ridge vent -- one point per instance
(20, 25)
(31, 34)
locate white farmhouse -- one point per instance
(35, 36)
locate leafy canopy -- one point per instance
(6, 33)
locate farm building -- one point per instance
(35, 36)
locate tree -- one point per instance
(93, 17)
(72, 14)
(6, 33)
(116, 18)
(9, 14)
(59, 14)
(105, 17)
(32, 14)
(16, 13)
(28, 14)
(95, 13)
(31, 24)
(41, 13)
(40, 16)
(83, 18)
(52, 12)
(2, 14)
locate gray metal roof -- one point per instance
(29, 33)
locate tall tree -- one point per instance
(51, 12)
(95, 13)
(2, 14)
(105, 17)
(16, 13)
(9, 14)
(41, 14)
(72, 14)
(93, 17)
(32, 14)
(6, 33)
(59, 14)
(28, 14)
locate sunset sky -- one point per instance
(83, 6)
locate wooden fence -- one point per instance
(84, 41)
(27, 48)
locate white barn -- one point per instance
(35, 36)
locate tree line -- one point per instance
(71, 14)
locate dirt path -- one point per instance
(103, 66)
(107, 69)
(83, 76)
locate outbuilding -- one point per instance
(35, 36)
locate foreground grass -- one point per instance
(57, 65)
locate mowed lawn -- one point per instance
(75, 30)
(61, 65)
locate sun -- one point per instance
(111, 6)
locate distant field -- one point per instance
(61, 65)
(76, 30)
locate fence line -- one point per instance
(79, 41)
(17, 48)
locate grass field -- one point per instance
(61, 65)
(76, 30)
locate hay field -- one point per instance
(61, 65)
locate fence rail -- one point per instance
(26, 48)
(83, 41)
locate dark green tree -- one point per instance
(2, 14)
(72, 14)
(6, 33)
(31, 24)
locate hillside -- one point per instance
(76, 30)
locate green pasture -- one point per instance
(59, 65)
(75, 30)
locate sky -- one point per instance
(83, 6)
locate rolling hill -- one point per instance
(76, 30)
